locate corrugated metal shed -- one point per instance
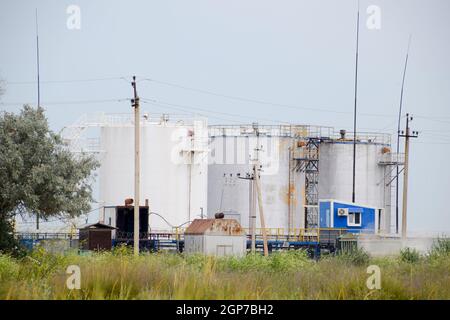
(219, 237)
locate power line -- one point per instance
(432, 142)
(65, 81)
(436, 131)
(257, 101)
(203, 91)
(192, 113)
(442, 136)
(215, 112)
(67, 102)
(432, 119)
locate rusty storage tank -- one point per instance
(217, 237)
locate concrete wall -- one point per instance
(393, 246)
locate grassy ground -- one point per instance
(288, 275)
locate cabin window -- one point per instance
(354, 219)
(327, 218)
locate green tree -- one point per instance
(38, 174)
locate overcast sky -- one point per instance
(297, 55)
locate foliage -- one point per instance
(276, 262)
(9, 268)
(39, 174)
(441, 248)
(357, 256)
(7, 241)
(285, 275)
(409, 255)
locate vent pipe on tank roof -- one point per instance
(219, 215)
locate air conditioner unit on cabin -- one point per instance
(343, 212)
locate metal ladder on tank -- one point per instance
(308, 162)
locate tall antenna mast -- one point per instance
(38, 86)
(354, 112)
(398, 135)
(37, 60)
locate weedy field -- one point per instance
(284, 275)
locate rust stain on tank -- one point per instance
(215, 226)
(286, 192)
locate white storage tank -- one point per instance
(173, 168)
(336, 172)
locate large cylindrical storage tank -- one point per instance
(173, 168)
(336, 173)
(232, 149)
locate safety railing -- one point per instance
(293, 234)
(390, 158)
(364, 137)
(287, 130)
(305, 234)
(45, 235)
(178, 232)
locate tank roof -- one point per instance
(300, 131)
(225, 227)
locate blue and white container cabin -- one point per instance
(352, 217)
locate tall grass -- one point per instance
(284, 275)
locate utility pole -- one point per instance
(253, 213)
(253, 193)
(251, 209)
(257, 188)
(135, 105)
(256, 168)
(406, 135)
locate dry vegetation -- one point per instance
(288, 275)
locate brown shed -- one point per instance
(96, 236)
